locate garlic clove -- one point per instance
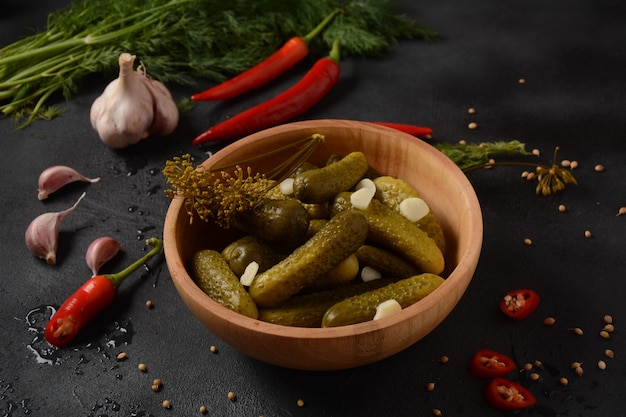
(100, 251)
(132, 107)
(42, 234)
(57, 176)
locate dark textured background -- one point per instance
(573, 57)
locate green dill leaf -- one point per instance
(468, 156)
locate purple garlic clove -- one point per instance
(100, 251)
(42, 234)
(57, 176)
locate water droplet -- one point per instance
(153, 190)
(155, 171)
(132, 209)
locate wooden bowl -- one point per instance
(442, 185)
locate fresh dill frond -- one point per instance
(182, 41)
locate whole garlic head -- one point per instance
(133, 107)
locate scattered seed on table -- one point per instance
(300, 403)
(166, 404)
(462, 142)
(566, 163)
(521, 81)
(536, 152)
(231, 396)
(604, 334)
(444, 359)
(587, 233)
(528, 242)
(599, 168)
(156, 385)
(577, 330)
(608, 318)
(563, 381)
(430, 386)
(203, 409)
(562, 208)
(531, 176)
(549, 321)
(471, 110)
(538, 364)
(609, 354)
(573, 165)
(472, 125)
(213, 349)
(149, 304)
(609, 328)
(622, 210)
(437, 412)
(534, 376)
(579, 371)
(575, 365)
(121, 356)
(601, 365)
(527, 366)
(142, 367)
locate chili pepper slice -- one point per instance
(315, 84)
(507, 395)
(519, 304)
(91, 298)
(490, 364)
(288, 55)
(418, 131)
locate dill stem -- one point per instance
(42, 69)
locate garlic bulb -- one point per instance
(100, 251)
(42, 234)
(133, 107)
(53, 178)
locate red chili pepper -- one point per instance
(490, 364)
(315, 84)
(406, 128)
(91, 298)
(519, 304)
(508, 395)
(292, 52)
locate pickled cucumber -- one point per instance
(392, 191)
(385, 262)
(361, 308)
(338, 239)
(284, 223)
(308, 310)
(344, 272)
(211, 273)
(247, 249)
(320, 185)
(393, 231)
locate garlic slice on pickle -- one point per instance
(55, 177)
(133, 107)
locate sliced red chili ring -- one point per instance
(507, 395)
(519, 304)
(490, 364)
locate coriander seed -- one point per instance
(604, 334)
(430, 386)
(300, 403)
(563, 381)
(599, 168)
(142, 367)
(609, 353)
(203, 409)
(166, 404)
(601, 365)
(472, 125)
(121, 356)
(608, 318)
(587, 233)
(231, 396)
(149, 304)
(549, 321)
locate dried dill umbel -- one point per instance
(220, 194)
(216, 196)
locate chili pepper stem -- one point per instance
(335, 52)
(118, 277)
(321, 26)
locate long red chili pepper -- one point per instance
(315, 84)
(91, 298)
(419, 131)
(292, 52)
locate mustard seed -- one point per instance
(609, 328)
(521, 81)
(531, 176)
(232, 396)
(599, 168)
(573, 165)
(300, 403)
(472, 125)
(609, 354)
(203, 409)
(563, 381)
(528, 242)
(578, 331)
(471, 110)
(430, 386)
(462, 142)
(121, 356)
(587, 233)
(604, 334)
(608, 318)
(579, 371)
(527, 366)
(622, 210)
(566, 163)
(524, 174)
(437, 412)
(534, 376)
(601, 365)
(213, 349)
(166, 404)
(536, 152)
(537, 364)
(149, 304)
(142, 367)
(562, 208)
(444, 359)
